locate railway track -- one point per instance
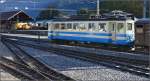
(17, 73)
(93, 52)
(107, 61)
(128, 59)
(35, 75)
(105, 47)
(37, 65)
(97, 46)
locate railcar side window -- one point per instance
(129, 26)
(69, 26)
(91, 26)
(102, 27)
(75, 25)
(82, 27)
(120, 27)
(62, 26)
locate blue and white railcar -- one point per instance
(118, 32)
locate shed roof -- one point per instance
(143, 21)
(11, 14)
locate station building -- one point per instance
(9, 19)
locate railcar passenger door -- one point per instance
(113, 28)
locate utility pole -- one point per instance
(145, 9)
(98, 7)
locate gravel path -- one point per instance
(82, 70)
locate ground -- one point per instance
(4, 76)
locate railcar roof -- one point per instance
(89, 20)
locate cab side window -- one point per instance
(129, 25)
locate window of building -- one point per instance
(39, 24)
(62, 26)
(129, 25)
(56, 26)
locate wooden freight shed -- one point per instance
(143, 32)
(9, 19)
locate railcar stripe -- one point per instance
(88, 36)
(92, 33)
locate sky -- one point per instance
(22, 4)
(27, 5)
(33, 7)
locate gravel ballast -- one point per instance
(82, 70)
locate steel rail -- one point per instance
(17, 73)
(108, 57)
(126, 59)
(106, 61)
(37, 65)
(31, 72)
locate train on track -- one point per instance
(118, 31)
(115, 28)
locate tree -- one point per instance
(83, 11)
(131, 6)
(48, 13)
